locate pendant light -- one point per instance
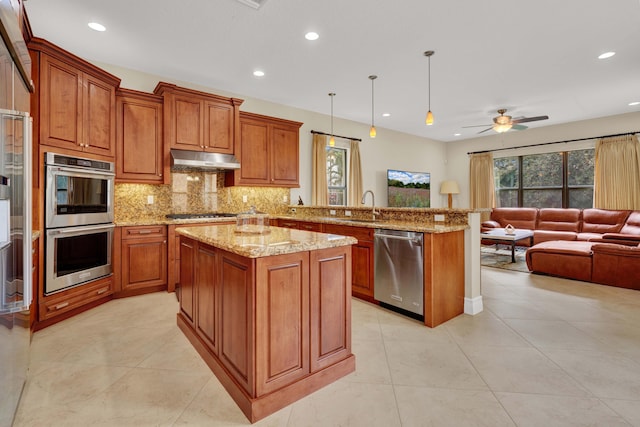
(429, 119)
(332, 140)
(372, 131)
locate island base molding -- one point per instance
(257, 408)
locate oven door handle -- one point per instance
(81, 230)
(80, 172)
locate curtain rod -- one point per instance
(336, 136)
(556, 142)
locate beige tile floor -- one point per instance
(545, 352)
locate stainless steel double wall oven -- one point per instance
(78, 219)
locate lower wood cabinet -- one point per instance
(301, 225)
(362, 258)
(143, 255)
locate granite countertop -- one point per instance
(277, 241)
(405, 225)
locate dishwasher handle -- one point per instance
(396, 237)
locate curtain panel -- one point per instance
(319, 190)
(617, 173)
(481, 183)
(355, 175)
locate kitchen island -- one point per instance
(269, 313)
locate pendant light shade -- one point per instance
(429, 119)
(332, 140)
(372, 131)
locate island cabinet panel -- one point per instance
(330, 308)
(187, 282)
(139, 150)
(76, 102)
(282, 321)
(443, 277)
(237, 318)
(208, 294)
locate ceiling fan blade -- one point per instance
(475, 126)
(529, 119)
(487, 129)
(519, 127)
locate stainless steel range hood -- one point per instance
(201, 160)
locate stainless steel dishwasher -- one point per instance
(399, 270)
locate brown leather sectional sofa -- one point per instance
(593, 245)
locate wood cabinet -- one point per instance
(362, 282)
(139, 148)
(268, 152)
(272, 329)
(198, 121)
(76, 102)
(143, 259)
(67, 303)
(301, 225)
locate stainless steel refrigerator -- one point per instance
(15, 258)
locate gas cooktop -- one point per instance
(200, 215)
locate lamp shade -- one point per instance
(449, 187)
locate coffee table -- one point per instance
(498, 235)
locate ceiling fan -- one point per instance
(503, 123)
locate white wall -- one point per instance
(458, 159)
(389, 150)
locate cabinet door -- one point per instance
(329, 299)
(144, 263)
(187, 294)
(139, 141)
(60, 104)
(363, 268)
(282, 321)
(254, 161)
(99, 118)
(187, 123)
(284, 154)
(208, 295)
(218, 128)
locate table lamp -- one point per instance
(449, 187)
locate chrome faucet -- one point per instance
(374, 212)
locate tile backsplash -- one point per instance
(195, 192)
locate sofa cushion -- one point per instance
(559, 219)
(540, 236)
(524, 218)
(632, 225)
(570, 259)
(602, 221)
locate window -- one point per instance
(337, 175)
(550, 180)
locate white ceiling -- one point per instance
(532, 57)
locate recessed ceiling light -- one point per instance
(634, 103)
(457, 134)
(258, 73)
(96, 26)
(606, 55)
(311, 35)
(386, 114)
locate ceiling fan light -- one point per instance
(501, 128)
(429, 119)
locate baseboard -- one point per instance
(473, 305)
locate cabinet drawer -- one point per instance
(143, 231)
(360, 233)
(311, 226)
(76, 297)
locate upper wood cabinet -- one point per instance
(268, 152)
(198, 121)
(139, 150)
(75, 101)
